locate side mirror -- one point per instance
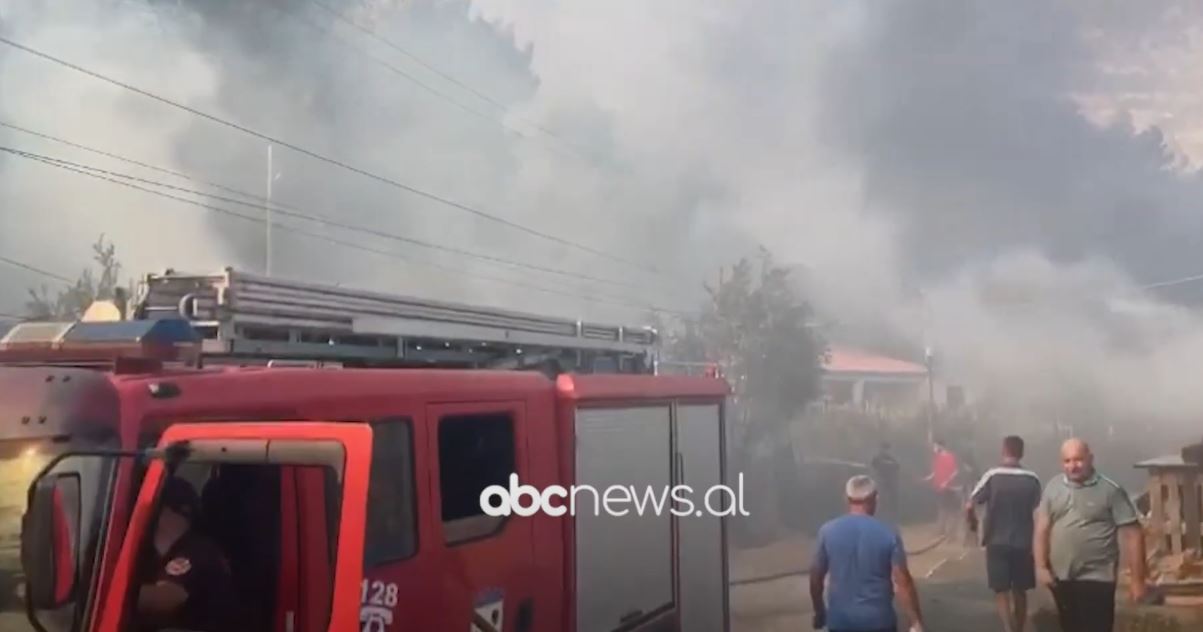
(50, 541)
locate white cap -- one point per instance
(860, 488)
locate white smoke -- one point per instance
(968, 154)
(293, 71)
(50, 218)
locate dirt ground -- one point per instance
(952, 593)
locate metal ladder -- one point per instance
(248, 319)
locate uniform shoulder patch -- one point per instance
(178, 566)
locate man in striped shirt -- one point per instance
(1010, 495)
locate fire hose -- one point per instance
(805, 572)
(484, 625)
(761, 579)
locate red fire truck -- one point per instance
(341, 462)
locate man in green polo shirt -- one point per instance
(1081, 522)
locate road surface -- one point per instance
(952, 593)
(951, 590)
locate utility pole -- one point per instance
(267, 212)
(928, 361)
(931, 397)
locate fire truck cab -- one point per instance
(342, 468)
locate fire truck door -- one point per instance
(488, 561)
(333, 457)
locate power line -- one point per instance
(402, 73)
(286, 209)
(598, 298)
(291, 211)
(428, 66)
(1173, 282)
(592, 297)
(36, 270)
(380, 38)
(125, 159)
(572, 147)
(332, 161)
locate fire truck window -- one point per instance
(475, 451)
(198, 474)
(391, 527)
(265, 539)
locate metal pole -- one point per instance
(267, 211)
(931, 399)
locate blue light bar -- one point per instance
(167, 331)
(102, 343)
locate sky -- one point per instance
(995, 180)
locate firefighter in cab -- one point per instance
(187, 584)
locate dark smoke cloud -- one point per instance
(961, 117)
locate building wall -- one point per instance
(902, 396)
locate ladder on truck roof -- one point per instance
(252, 319)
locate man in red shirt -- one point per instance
(944, 480)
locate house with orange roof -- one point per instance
(864, 380)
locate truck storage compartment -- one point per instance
(657, 560)
(624, 562)
(703, 589)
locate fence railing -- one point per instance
(1176, 508)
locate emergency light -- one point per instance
(160, 340)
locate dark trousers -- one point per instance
(887, 502)
(1085, 606)
(882, 630)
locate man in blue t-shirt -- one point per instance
(866, 562)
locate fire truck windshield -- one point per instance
(20, 462)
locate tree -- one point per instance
(70, 302)
(757, 326)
